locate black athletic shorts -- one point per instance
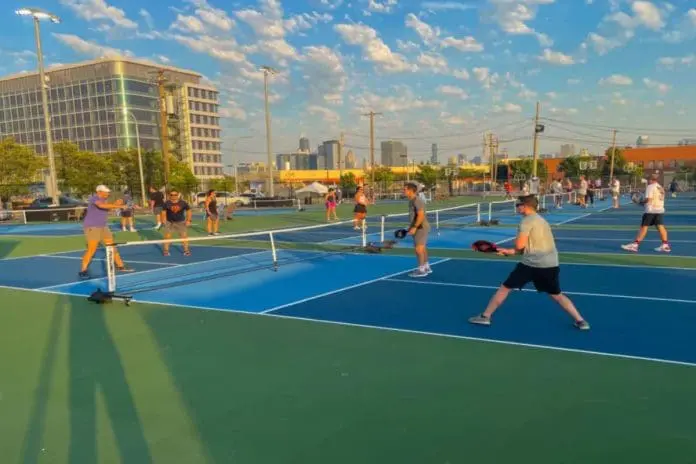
(545, 279)
(651, 219)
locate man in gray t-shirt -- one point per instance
(419, 228)
(539, 264)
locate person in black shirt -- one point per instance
(156, 205)
(176, 217)
(211, 213)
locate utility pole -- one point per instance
(164, 127)
(537, 129)
(613, 150)
(266, 71)
(491, 155)
(372, 115)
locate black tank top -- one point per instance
(212, 206)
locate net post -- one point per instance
(110, 269)
(273, 251)
(437, 222)
(490, 211)
(364, 233)
(382, 225)
(478, 213)
(24, 217)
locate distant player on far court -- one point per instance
(419, 228)
(539, 265)
(176, 217)
(654, 202)
(97, 228)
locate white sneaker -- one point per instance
(133, 229)
(664, 248)
(631, 247)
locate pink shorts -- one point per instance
(330, 204)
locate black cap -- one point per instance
(528, 200)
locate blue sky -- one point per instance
(439, 71)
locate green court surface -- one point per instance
(155, 383)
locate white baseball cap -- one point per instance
(103, 188)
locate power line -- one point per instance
(625, 128)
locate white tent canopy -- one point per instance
(314, 188)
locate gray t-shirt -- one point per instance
(541, 247)
(415, 205)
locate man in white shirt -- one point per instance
(557, 191)
(582, 192)
(615, 192)
(654, 202)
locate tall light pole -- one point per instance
(266, 71)
(37, 15)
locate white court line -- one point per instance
(103, 260)
(340, 290)
(603, 239)
(495, 287)
(156, 270)
(631, 266)
(572, 219)
(386, 329)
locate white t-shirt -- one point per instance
(655, 196)
(556, 187)
(598, 183)
(582, 190)
(616, 186)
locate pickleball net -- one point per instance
(215, 257)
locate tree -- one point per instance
(126, 170)
(20, 166)
(80, 171)
(348, 182)
(181, 178)
(469, 174)
(153, 169)
(384, 175)
(427, 176)
(226, 184)
(619, 161)
(524, 166)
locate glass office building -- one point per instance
(86, 102)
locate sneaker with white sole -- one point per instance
(480, 320)
(631, 247)
(664, 248)
(418, 273)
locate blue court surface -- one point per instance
(635, 311)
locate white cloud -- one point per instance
(213, 16)
(407, 46)
(225, 50)
(507, 108)
(233, 110)
(672, 62)
(574, 81)
(373, 48)
(552, 95)
(659, 86)
(527, 94)
(306, 21)
(447, 6)
(563, 111)
(659, 103)
(461, 74)
(188, 24)
(467, 44)
(99, 10)
(433, 62)
(556, 58)
(453, 91)
(324, 71)
(513, 15)
(380, 6)
(326, 113)
(616, 79)
(406, 101)
(147, 17)
(89, 48)
(427, 33)
(686, 29)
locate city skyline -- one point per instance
(440, 72)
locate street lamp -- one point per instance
(38, 15)
(266, 71)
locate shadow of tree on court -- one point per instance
(31, 449)
(95, 366)
(7, 247)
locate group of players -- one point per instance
(534, 240)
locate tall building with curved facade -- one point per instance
(86, 103)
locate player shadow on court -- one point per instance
(96, 374)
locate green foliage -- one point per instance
(226, 184)
(469, 174)
(19, 167)
(348, 182)
(525, 166)
(619, 160)
(384, 175)
(181, 178)
(126, 170)
(80, 171)
(427, 176)
(153, 169)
